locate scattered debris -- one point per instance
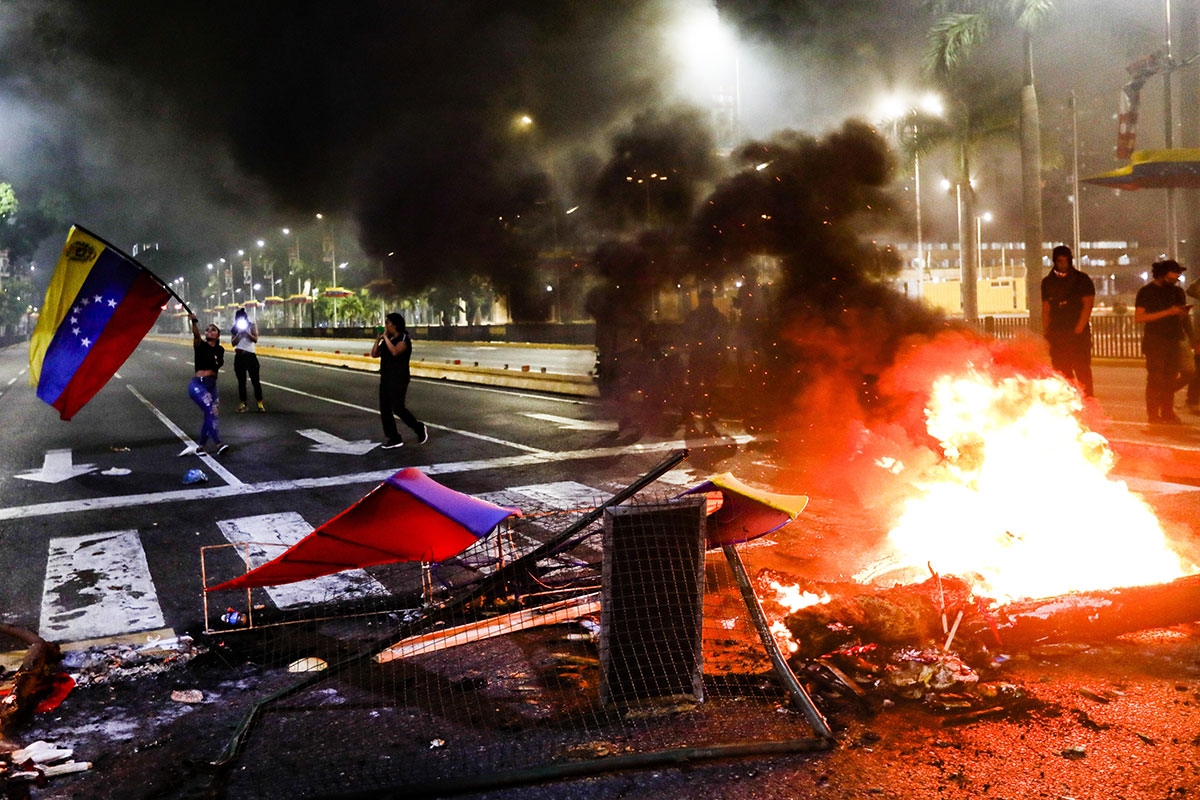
(33, 680)
(35, 763)
(1075, 752)
(916, 672)
(116, 662)
(116, 471)
(1090, 695)
(309, 664)
(191, 696)
(195, 476)
(233, 617)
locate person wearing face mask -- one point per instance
(1161, 308)
(1067, 299)
(210, 357)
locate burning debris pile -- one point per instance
(935, 641)
(1007, 534)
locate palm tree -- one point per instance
(962, 25)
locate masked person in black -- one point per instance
(1161, 308)
(393, 348)
(1067, 299)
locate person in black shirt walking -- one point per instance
(394, 349)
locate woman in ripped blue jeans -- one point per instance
(210, 356)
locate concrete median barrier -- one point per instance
(516, 378)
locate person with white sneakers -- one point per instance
(393, 348)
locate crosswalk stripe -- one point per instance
(97, 585)
(533, 499)
(265, 536)
(564, 495)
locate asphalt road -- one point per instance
(116, 470)
(100, 537)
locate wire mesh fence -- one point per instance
(564, 644)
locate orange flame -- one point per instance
(1021, 504)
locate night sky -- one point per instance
(207, 125)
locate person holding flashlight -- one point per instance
(245, 361)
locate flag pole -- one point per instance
(166, 286)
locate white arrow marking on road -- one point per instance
(56, 468)
(98, 585)
(568, 424)
(328, 443)
(263, 537)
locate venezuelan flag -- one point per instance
(100, 304)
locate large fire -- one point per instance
(1022, 504)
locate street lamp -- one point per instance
(979, 220)
(894, 109)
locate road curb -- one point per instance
(523, 378)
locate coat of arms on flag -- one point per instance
(99, 305)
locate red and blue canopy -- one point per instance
(408, 517)
(738, 513)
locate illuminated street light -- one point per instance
(895, 108)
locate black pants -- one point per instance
(1163, 376)
(391, 401)
(246, 364)
(1071, 354)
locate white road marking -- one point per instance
(538, 498)
(208, 459)
(266, 536)
(97, 585)
(564, 495)
(375, 411)
(569, 424)
(378, 476)
(57, 467)
(328, 443)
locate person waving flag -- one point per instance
(99, 305)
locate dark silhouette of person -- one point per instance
(1067, 299)
(1161, 308)
(706, 338)
(393, 348)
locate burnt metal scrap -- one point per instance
(933, 642)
